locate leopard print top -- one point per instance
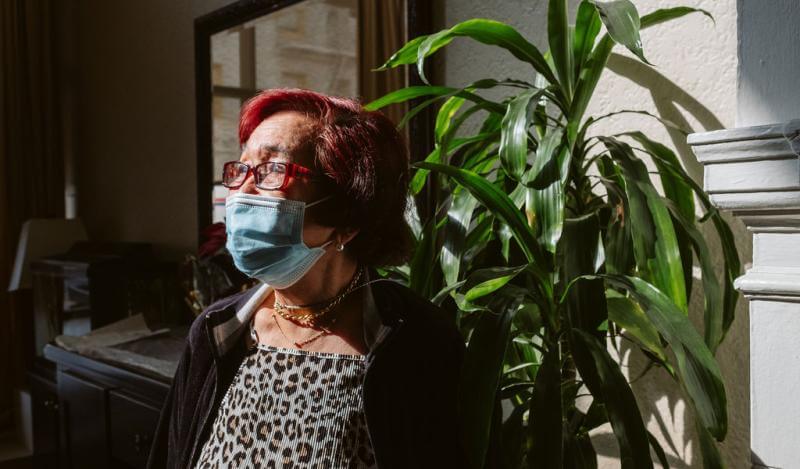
(291, 408)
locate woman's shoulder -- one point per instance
(197, 336)
(419, 312)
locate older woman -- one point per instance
(322, 364)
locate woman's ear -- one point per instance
(344, 235)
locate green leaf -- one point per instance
(618, 241)
(479, 235)
(712, 291)
(679, 192)
(654, 240)
(545, 196)
(596, 63)
(589, 76)
(579, 452)
(445, 116)
(424, 256)
(586, 302)
(445, 122)
(666, 14)
(516, 368)
(495, 200)
(662, 458)
(405, 55)
(458, 219)
(438, 93)
(405, 94)
(545, 414)
(481, 372)
(729, 251)
(666, 122)
(675, 187)
(606, 382)
(732, 270)
(456, 124)
(560, 40)
(623, 24)
(420, 175)
(486, 31)
(418, 180)
(513, 439)
(448, 144)
(485, 281)
(595, 416)
(481, 156)
(514, 133)
(445, 292)
(587, 26)
(698, 371)
(708, 449)
(628, 315)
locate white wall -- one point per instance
(769, 65)
(693, 84)
(131, 86)
(769, 62)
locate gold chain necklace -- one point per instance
(324, 331)
(313, 317)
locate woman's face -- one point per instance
(286, 136)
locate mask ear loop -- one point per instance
(379, 280)
(318, 201)
(327, 243)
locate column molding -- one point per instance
(754, 172)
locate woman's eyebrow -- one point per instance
(273, 148)
(266, 152)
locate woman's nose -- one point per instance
(249, 184)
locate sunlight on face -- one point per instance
(284, 137)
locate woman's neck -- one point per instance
(323, 282)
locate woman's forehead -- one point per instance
(271, 150)
(282, 136)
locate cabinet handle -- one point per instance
(141, 442)
(51, 404)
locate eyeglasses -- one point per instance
(271, 175)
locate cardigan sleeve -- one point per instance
(165, 438)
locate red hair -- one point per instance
(365, 160)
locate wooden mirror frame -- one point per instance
(419, 21)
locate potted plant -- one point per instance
(210, 274)
(548, 243)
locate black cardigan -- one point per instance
(410, 388)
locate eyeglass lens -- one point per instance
(268, 175)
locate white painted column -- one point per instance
(755, 173)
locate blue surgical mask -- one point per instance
(265, 238)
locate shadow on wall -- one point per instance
(665, 408)
(664, 399)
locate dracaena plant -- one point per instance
(549, 242)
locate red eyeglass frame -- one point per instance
(292, 170)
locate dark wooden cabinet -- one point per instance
(132, 425)
(90, 414)
(45, 412)
(85, 419)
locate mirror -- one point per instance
(328, 46)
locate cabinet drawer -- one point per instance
(85, 421)
(133, 424)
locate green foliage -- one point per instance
(548, 245)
